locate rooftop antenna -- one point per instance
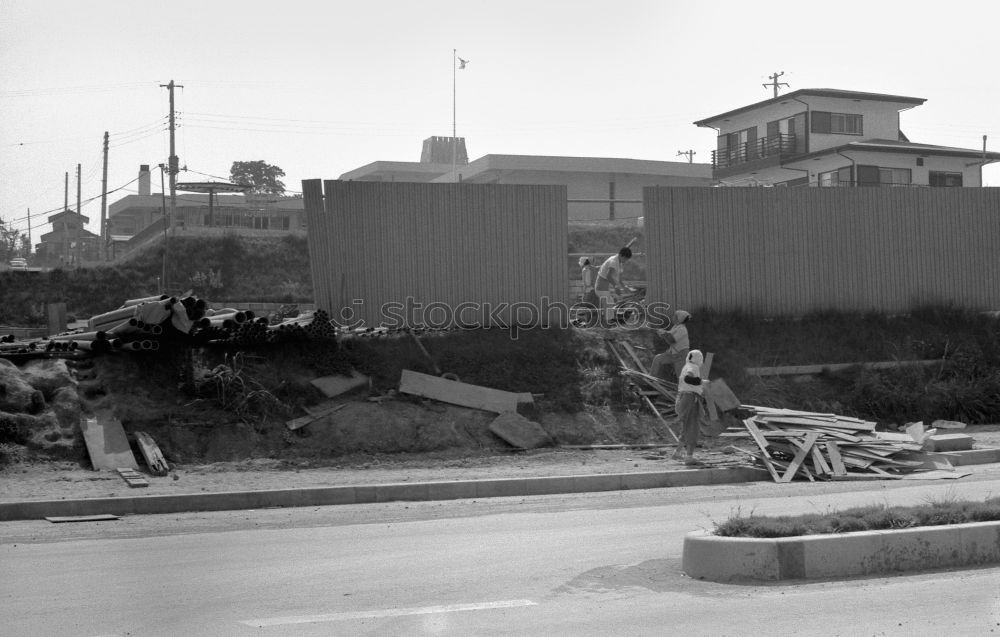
(690, 155)
(774, 82)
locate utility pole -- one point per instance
(30, 245)
(105, 234)
(774, 82)
(690, 155)
(454, 111)
(173, 163)
(66, 194)
(79, 227)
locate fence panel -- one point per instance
(778, 251)
(436, 255)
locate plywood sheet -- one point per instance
(106, 443)
(458, 393)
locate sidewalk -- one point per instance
(259, 487)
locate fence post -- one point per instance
(57, 318)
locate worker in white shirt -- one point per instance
(667, 364)
(689, 405)
(609, 281)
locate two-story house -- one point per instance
(69, 243)
(830, 137)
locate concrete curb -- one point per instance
(737, 559)
(322, 496)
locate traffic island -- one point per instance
(739, 559)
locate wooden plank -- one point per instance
(459, 393)
(706, 365)
(659, 416)
(312, 416)
(82, 518)
(818, 422)
(756, 435)
(635, 357)
(819, 462)
(836, 461)
(798, 370)
(764, 460)
(718, 392)
(132, 477)
(106, 443)
(800, 456)
(155, 461)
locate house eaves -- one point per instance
(909, 148)
(908, 102)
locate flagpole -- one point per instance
(454, 138)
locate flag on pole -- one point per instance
(462, 63)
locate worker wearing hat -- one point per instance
(689, 406)
(667, 364)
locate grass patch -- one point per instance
(865, 518)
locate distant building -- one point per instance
(831, 137)
(137, 219)
(597, 187)
(69, 243)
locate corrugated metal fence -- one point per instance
(787, 251)
(399, 253)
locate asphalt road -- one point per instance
(589, 564)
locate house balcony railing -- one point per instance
(774, 146)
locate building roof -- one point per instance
(911, 148)
(68, 213)
(908, 102)
(552, 163)
(380, 169)
(211, 186)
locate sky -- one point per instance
(321, 87)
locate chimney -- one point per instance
(144, 180)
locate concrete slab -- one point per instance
(519, 432)
(948, 442)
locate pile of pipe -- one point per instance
(138, 325)
(9, 344)
(242, 327)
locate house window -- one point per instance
(839, 177)
(944, 179)
(894, 176)
(837, 123)
(741, 145)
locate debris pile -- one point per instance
(833, 447)
(654, 392)
(141, 325)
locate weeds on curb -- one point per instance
(875, 517)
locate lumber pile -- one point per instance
(832, 447)
(655, 393)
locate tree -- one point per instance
(263, 178)
(12, 243)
